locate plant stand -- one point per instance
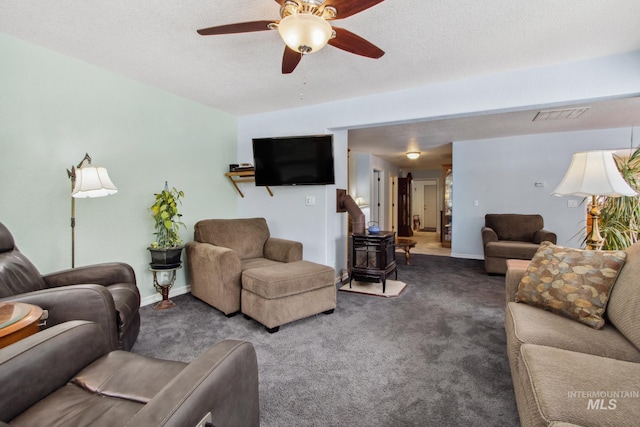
(164, 287)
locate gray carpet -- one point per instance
(435, 355)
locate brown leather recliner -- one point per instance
(68, 375)
(512, 236)
(103, 293)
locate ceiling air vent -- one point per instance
(569, 113)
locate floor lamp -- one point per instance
(594, 174)
(86, 182)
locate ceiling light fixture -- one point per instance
(304, 27)
(412, 155)
(305, 33)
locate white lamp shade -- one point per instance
(305, 33)
(92, 182)
(593, 173)
(412, 155)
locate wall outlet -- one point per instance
(572, 203)
(310, 201)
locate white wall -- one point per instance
(501, 175)
(53, 109)
(318, 227)
(322, 231)
(363, 174)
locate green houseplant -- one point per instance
(620, 216)
(166, 250)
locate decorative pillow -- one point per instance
(574, 283)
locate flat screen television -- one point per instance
(298, 160)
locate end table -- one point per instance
(17, 321)
(406, 244)
(164, 287)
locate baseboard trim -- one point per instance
(344, 278)
(152, 299)
(467, 256)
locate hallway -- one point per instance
(428, 243)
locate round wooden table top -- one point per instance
(406, 242)
(17, 321)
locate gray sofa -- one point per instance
(511, 236)
(566, 373)
(68, 375)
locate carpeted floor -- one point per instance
(435, 355)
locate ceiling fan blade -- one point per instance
(346, 8)
(290, 60)
(242, 27)
(281, 2)
(353, 43)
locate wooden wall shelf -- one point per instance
(243, 176)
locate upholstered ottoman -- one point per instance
(282, 293)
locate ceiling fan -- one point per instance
(305, 29)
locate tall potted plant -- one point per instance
(166, 250)
(620, 216)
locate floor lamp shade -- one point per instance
(593, 173)
(86, 182)
(92, 182)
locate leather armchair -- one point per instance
(105, 293)
(512, 236)
(223, 248)
(68, 375)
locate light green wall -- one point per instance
(53, 109)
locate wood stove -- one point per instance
(373, 257)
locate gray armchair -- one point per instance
(223, 248)
(512, 236)
(68, 375)
(104, 293)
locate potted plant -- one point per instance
(620, 216)
(166, 250)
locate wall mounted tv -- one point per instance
(298, 160)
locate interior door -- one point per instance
(430, 208)
(393, 197)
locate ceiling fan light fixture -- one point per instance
(305, 33)
(412, 155)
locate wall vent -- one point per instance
(569, 113)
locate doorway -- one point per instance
(425, 205)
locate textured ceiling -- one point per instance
(426, 42)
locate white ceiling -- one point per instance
(426, 42)
(433, 138)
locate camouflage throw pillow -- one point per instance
(574, 283)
